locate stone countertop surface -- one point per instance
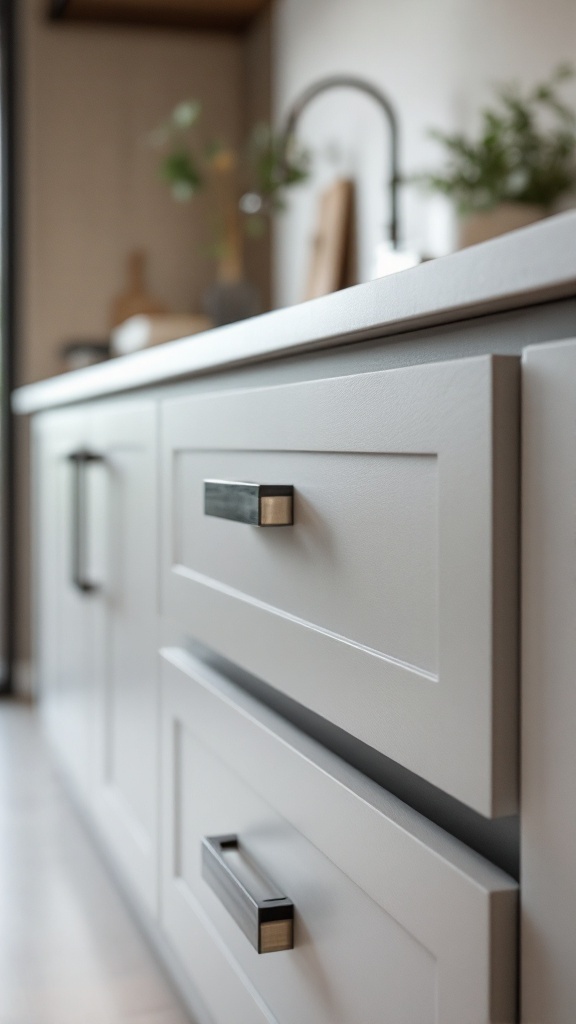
(534, 265)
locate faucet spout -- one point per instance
(352, 82)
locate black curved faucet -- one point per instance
(352, 82)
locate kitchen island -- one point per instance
(326, 670)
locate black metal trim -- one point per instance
(241, 501)
(249, 912)
(80, 460)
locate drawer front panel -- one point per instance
(354, 588)
(393, 919)
(388, 606)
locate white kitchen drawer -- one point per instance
(389, 607)
(394, 919)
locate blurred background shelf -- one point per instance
(218, 15)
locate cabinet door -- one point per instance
(125, 791)
(389, 605)
(64, 611)
(394, 921)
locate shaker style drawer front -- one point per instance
(386, 601)
(392, 918)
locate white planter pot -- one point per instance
(479, 227)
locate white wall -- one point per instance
(436, 60)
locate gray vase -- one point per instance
(229, 301)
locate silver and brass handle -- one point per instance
(255, 504)
(265, 916)
(80, 461)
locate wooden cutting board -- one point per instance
(332, 240)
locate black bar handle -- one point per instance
(80, 460)
(265, 916)
(254, 504)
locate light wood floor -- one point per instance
(69, 951)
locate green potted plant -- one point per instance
(256, 179)
(519, 167)
(243, 189)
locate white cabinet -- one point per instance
(394, 920)
(125, 793)
(385, 620)
(389, 607)
(97, 530)
(65, 613)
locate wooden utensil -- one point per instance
(135, 299)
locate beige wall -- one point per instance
(258, 93)
(91, 95)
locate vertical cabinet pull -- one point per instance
(265, 916)
(80, 461)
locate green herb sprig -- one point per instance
(525, 152)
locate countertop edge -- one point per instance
(535, 264)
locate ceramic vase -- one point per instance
(505, 217)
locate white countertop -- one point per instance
(526, 267)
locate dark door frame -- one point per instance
(8, 347)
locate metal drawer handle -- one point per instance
(80, 460)
(265, 916)
(255, 504)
